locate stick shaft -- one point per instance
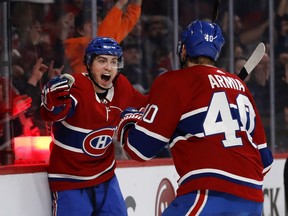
(215, 10)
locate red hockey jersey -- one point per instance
(211, 123)
(82, 152)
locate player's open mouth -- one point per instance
(106, 77)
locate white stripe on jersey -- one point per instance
(262, 146)
(219, 172)
(267, 168)
(60, 175)
(152, 134)
(194, 112)
(75, 128)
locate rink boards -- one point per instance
(147, 188)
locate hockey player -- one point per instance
(209, 119)
(85, 109)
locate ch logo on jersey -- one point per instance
(97, 142)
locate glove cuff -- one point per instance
(124, 132)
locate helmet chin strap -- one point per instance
(102, 88)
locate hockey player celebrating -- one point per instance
(85, 109)
(210, 121)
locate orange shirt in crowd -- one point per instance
(115, 25)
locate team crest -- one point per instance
(97, 142)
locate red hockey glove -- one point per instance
(56, 92)
(128, 118)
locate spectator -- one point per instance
(33, 89)
(243, 38)
(163, 61)
(116, 24)
(259, 88)
(32, 43)
(157, 44)
(60, 23)
(133, 51)
(133, 66)
(135, 36)
(282, 130)
(281, 106)
(12, 114)
(18, 73)
(281, 86)
(281, 26)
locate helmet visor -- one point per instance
(113, 63)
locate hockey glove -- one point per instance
(128, 118)
(56, 92)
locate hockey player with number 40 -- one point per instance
(85, 110)
(209, 119)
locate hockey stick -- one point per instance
(215, 10)
(251, 63)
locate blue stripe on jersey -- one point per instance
(140, 141)
(68, 136)
(192, 123)
(266, 157)
(72, 136)
(221, 175)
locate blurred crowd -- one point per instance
(49, 39)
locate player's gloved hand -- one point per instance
(56, 92)
(128, 118)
